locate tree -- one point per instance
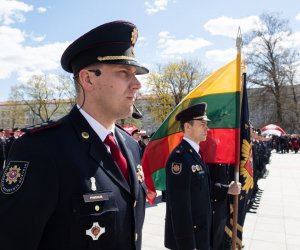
(17, 112)
(294, 84)
(170, 84)
(269, 61)
(130, 122)
(45, 96)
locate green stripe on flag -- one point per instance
(222, 111)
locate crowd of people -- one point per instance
(7, 138)
(286, 143)
(88, 192)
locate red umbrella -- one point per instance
(129, 129)
(273, 129)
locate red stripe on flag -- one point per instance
(158, 151)
(219, 146)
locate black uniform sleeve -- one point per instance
(29, 199)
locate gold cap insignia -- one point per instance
(134, 36)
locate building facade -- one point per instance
(262, 109)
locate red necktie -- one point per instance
(117, 154)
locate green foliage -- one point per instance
(170, 84)
(44, 97)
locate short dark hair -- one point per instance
(191, 122)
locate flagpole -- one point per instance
(239, 43)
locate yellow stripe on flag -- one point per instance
(221, 81)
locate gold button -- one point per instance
(136, 237)
(134, 205)
(85, 135)
(97, 208)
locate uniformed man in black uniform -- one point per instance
(73, 194)
(189, 214)
(221, 188)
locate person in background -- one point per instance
(136, 135)
(87, 192)
(146, 139)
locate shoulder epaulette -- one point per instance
(179, 150)
(42, 126)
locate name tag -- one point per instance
(95, 197)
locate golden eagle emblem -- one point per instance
(246, 165)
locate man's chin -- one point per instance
(126, 114)
(203, 138)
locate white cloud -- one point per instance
(41, 9)
(157, 5)
(298, 17)
(295, 37)
(221, 56)
(23, 60)
(284, 40)
(12, 11)
(228, 27)
(142, 42)
(290, 41)
(171, 46)
(37, 38)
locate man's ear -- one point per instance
(85, 80)
(186, 126)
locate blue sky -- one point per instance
(33, 34)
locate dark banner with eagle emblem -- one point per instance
(246, 164)
(246, 168)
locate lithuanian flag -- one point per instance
(222, 92)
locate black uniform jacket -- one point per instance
(220, 202)
(69, 188)
(188, 214)
(219, 188)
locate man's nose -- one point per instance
(136, 84)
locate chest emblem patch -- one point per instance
(13, 176)
(176, 168)
(95, 231)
